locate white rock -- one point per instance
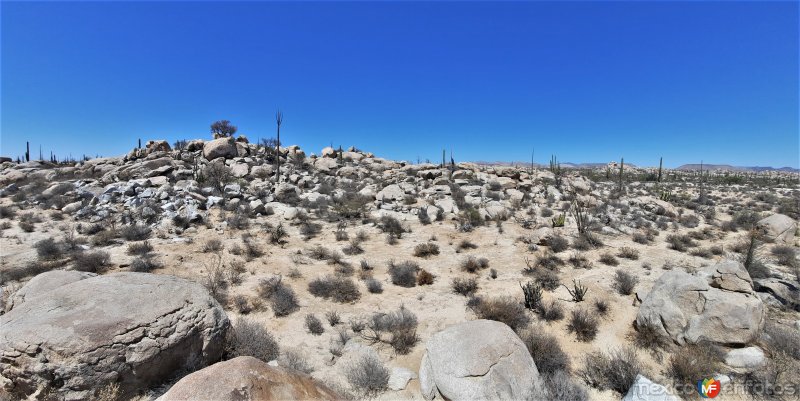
(748, 358)
(643, 389)
(399, 378)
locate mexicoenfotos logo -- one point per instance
(708, 388)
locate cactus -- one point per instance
(621, 169)
(665, 196)
(578, 292)
(443, 161)
(27, 151)
(559, 220)
(555, 168)
(533, 295)
(278, 122)
(139, 146)
(660, 165)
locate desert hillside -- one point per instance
(226, 270)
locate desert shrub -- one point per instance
(648, 337)
(784, 254)
(716, 250)
(91, 261)
(309, 230)
(319, 252)
(579, 261)
(558, 243)
(144, 265)
(314, 325)
(547, 279)
(212, 245)
(472, 264)
(546, 351)
(353, 248)
(339, 289)
(139, 248)
(374, 286)
(551, 311)
(424, 277)
(294, 359)
(779, 338)
(282, 297)
(546, 212)
(689, 220)
(601, 307)
(680, 243)
(7, 212)
(238, 221)
(641, 238)
(624, 282)
(135, 232)
(423, 217)
(403, 274)
(333, 318)
(48, 249)
(277, 234)
(466, 244)
(548, 260)
(628, 253)
(250, 338)
(368, 376)
(391, 225)
(503, 309)
(583, 324)
(341, 235)
(26, 226)
(692, 361)
(426, 249)
(560, 387)
(464, 286)
(241, 304)
(397, 328)
(615, 371)
(609, 259)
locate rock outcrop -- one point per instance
(46, 282)
(134, 329)
(221, 147)
(779, 228)
(717, 305)
(244, 379)
(477, 360)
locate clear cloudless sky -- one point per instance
(587, 81)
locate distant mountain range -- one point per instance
(685, 167)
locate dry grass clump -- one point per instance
(625, 282)
(465, 244)
(249, 338)
(144, 264)
(282, 298)
(546, 351)
(472, 264)
(785, 255)
(135, 232)
(403, 274)
(91, 261)
(464, 286)
(374, 286)
(212, 245)
(397, 329)
(609, 259)
(551, 311)
(691, 361)
(294, 359)
(424, 277)
(648, 337)
(583, 324)
(314, 325)
(557, 243)
(139, 248)
(367, 376)
(628, 253)
(339, 289)
(680, 243)
(503, 309)
(615, 371)
(48, 249)
(426, 249)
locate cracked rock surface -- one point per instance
(477, 360)
(246, 378)
(717, 305)
(135, 329)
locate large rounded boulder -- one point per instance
(45, 283)
(778, 227)
(244, 379)
(222, 147)
(477, 360)
(133, 329)
(716, 305)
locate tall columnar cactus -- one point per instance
(139, 146)
(621, 170)
(278, 122)
(443, 161)
(27, 151)
(660, 164)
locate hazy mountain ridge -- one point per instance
(684, 167)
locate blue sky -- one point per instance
(587, 81)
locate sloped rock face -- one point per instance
(134, 329)
(45, 283)
(477, 360)
(779, 228)
(718, 305)
(246, 378)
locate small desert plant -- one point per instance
(692, 361)
(391, 226)
(648, 337)
(503, 309)
(139, 248)
(785, 255)
(615, 371)
(314, 325)
(465, 244)
(551, 311)
(533, 295)
(609, 259)
(578, 291)
(601, 307)
(583, 324)
(557, 243)
(559, 220)
(135, 232)
(397, 328)
(48, 249)
(403, 274)
(628, 253)
(368, 376)
(249, 338)
(294, 359)
(91, 261)
(374, 286)
(333, 318)
(424, 277)
(144, 264)
(280, 295)
(212, 245)
(624, 282)
(426, 249)
(464, 286)
(546, 351)
(339, 289)
(680, 243)
(579, 261)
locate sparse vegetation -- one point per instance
(249, 338)
(583, 324)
